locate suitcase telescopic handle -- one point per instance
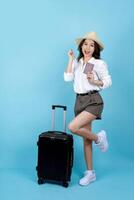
(59, 106)
(64, 116)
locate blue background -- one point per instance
(35, 37)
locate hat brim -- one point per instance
(78, 41)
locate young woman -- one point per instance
(89, 75)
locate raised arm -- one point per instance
(68, 74)
(70, 61)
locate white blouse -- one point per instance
(81, 83)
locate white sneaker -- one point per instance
(89, 176)
(102, 141)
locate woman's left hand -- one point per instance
(90, 77)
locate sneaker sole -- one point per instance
(106, 147)
(94, 179)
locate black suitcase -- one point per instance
(55, 154)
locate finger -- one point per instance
(71, 51)
(89, 75)
(89, 78)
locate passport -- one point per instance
(88, 68)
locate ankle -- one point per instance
(90, 171)
(97, 141)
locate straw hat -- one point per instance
(92, 36)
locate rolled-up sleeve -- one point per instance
(69, 76)
(104, 75)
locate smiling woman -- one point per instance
(90, 75)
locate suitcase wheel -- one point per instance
(65, 184)
(41, 181)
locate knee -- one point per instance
(72, 127)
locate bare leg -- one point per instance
(76, 126)
(88, 149)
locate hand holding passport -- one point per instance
(88, 68)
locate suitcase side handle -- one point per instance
(64, 116)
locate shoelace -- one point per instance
(87, 173)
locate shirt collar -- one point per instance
(91, 60)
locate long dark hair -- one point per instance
(96, 53)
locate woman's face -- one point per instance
(88, 48)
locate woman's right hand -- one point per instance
(71, 54)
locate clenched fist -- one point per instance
(90, 77)
(71, 54)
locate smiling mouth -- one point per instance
(86, 52)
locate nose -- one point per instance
(88, 48)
